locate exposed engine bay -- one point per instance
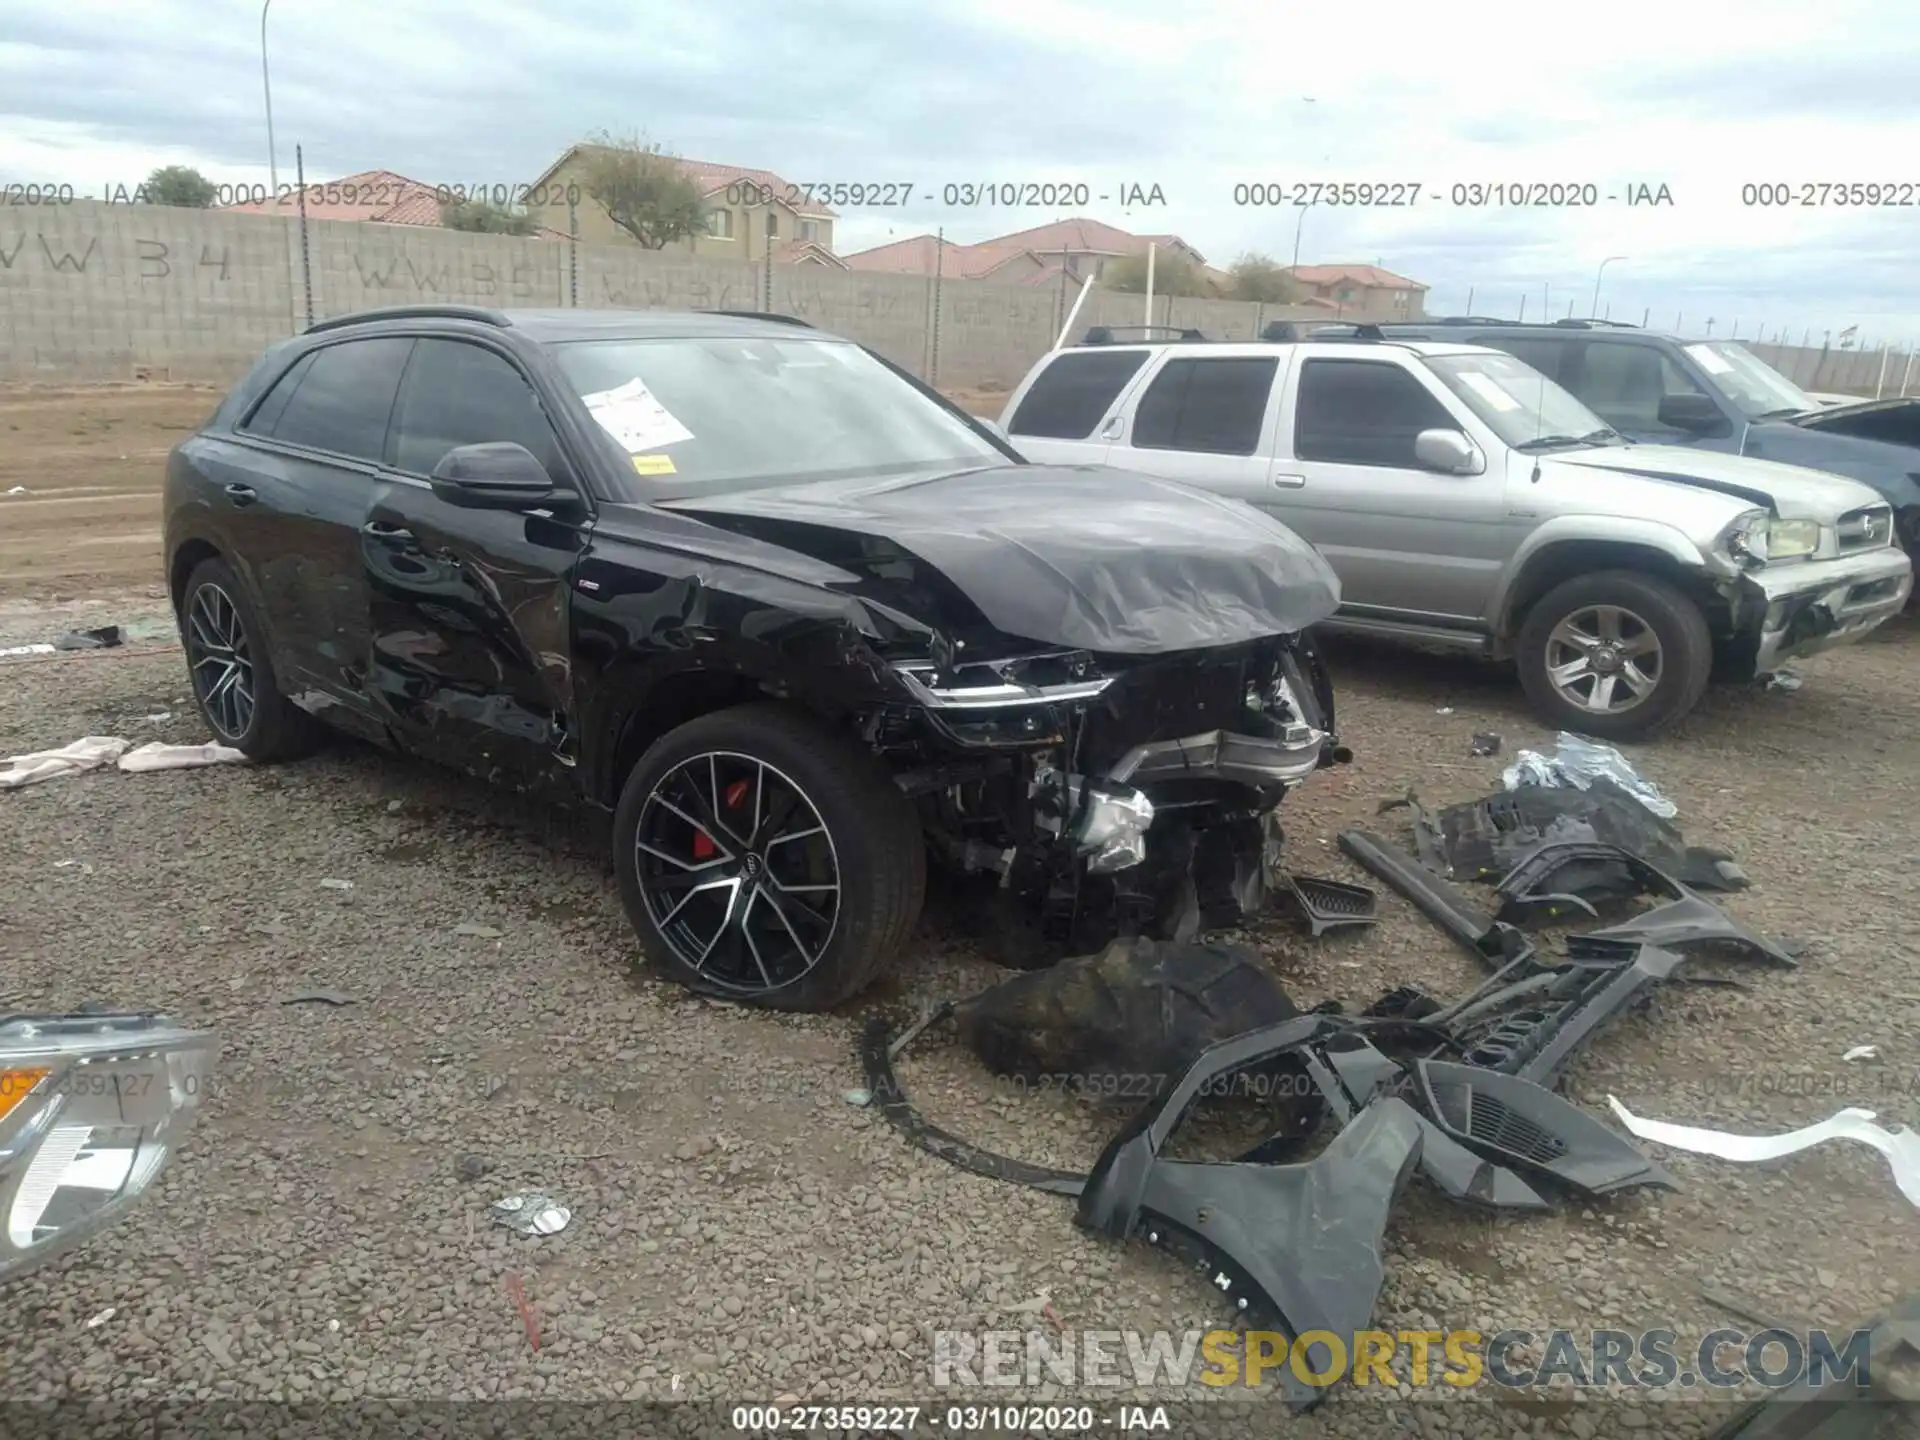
(1094, 796)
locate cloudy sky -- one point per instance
(1704, 97)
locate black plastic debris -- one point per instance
(1539, 887)
(1492, 942)
(1294, 1243)
(103, 638)
(1484, 839)
(1533, 1130)
(1485, 742)
(1330, 904)
(1122, 1025)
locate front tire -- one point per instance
(1615, 654)
(764, 858)
(234, 685)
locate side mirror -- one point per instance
(1448, 451)
(1694, 413)
(497, 475)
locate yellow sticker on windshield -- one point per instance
(654, 464)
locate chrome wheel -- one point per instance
(1604, 659)
(737, 871)
(221, 663)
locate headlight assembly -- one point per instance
(1792, 539)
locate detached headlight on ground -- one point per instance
(91, 1109)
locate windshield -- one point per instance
(706, 415)
(1518, 403)
(1753, 385)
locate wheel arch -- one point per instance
(644, 700)
(187, 557)
(1555, 560)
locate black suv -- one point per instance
(1714, 394)
(774, 603)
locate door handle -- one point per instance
(1290, 482)
(379, 531)
(242, 494)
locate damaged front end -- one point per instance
(1095, 795)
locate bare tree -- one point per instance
(643, 190)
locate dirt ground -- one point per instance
(80, 476)
(740, 1231)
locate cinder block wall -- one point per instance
(91, 292)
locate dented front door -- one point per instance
(467, 608)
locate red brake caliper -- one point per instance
(703, 847)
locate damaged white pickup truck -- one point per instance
(1465, 499)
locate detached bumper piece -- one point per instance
(1484, 839)
(91, 1109)
(1535, 887)
(1297, 1247)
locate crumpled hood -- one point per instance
(1080, 556)
(1791, 491)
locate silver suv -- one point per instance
(1465, 499)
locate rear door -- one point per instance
(470, 657)
(1407, 542)
(1207, 420)
(1068, 413)
(295, 496)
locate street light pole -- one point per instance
(266, 85)
(1594, 309)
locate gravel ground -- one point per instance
(740, 1231)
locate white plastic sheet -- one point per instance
(1574, 764)
(1901, 1146)
(87, 753)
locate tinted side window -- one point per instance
(459, 394)
(1212, 406)
(267, 414)
(1543, 355)
(1068, 398)
(343, 402)
(1624, 384)
(1363, 412)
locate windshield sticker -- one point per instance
(1489, 390)
(654, 465)
(635, 418)
(1710, 359)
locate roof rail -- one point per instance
(765, 315)
(481, 313)
(1590, 324)
(1145, 334)
(1464, 320)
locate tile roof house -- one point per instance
(377, 196)
(1359, 289)
(1077, 247)
(747, 209)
